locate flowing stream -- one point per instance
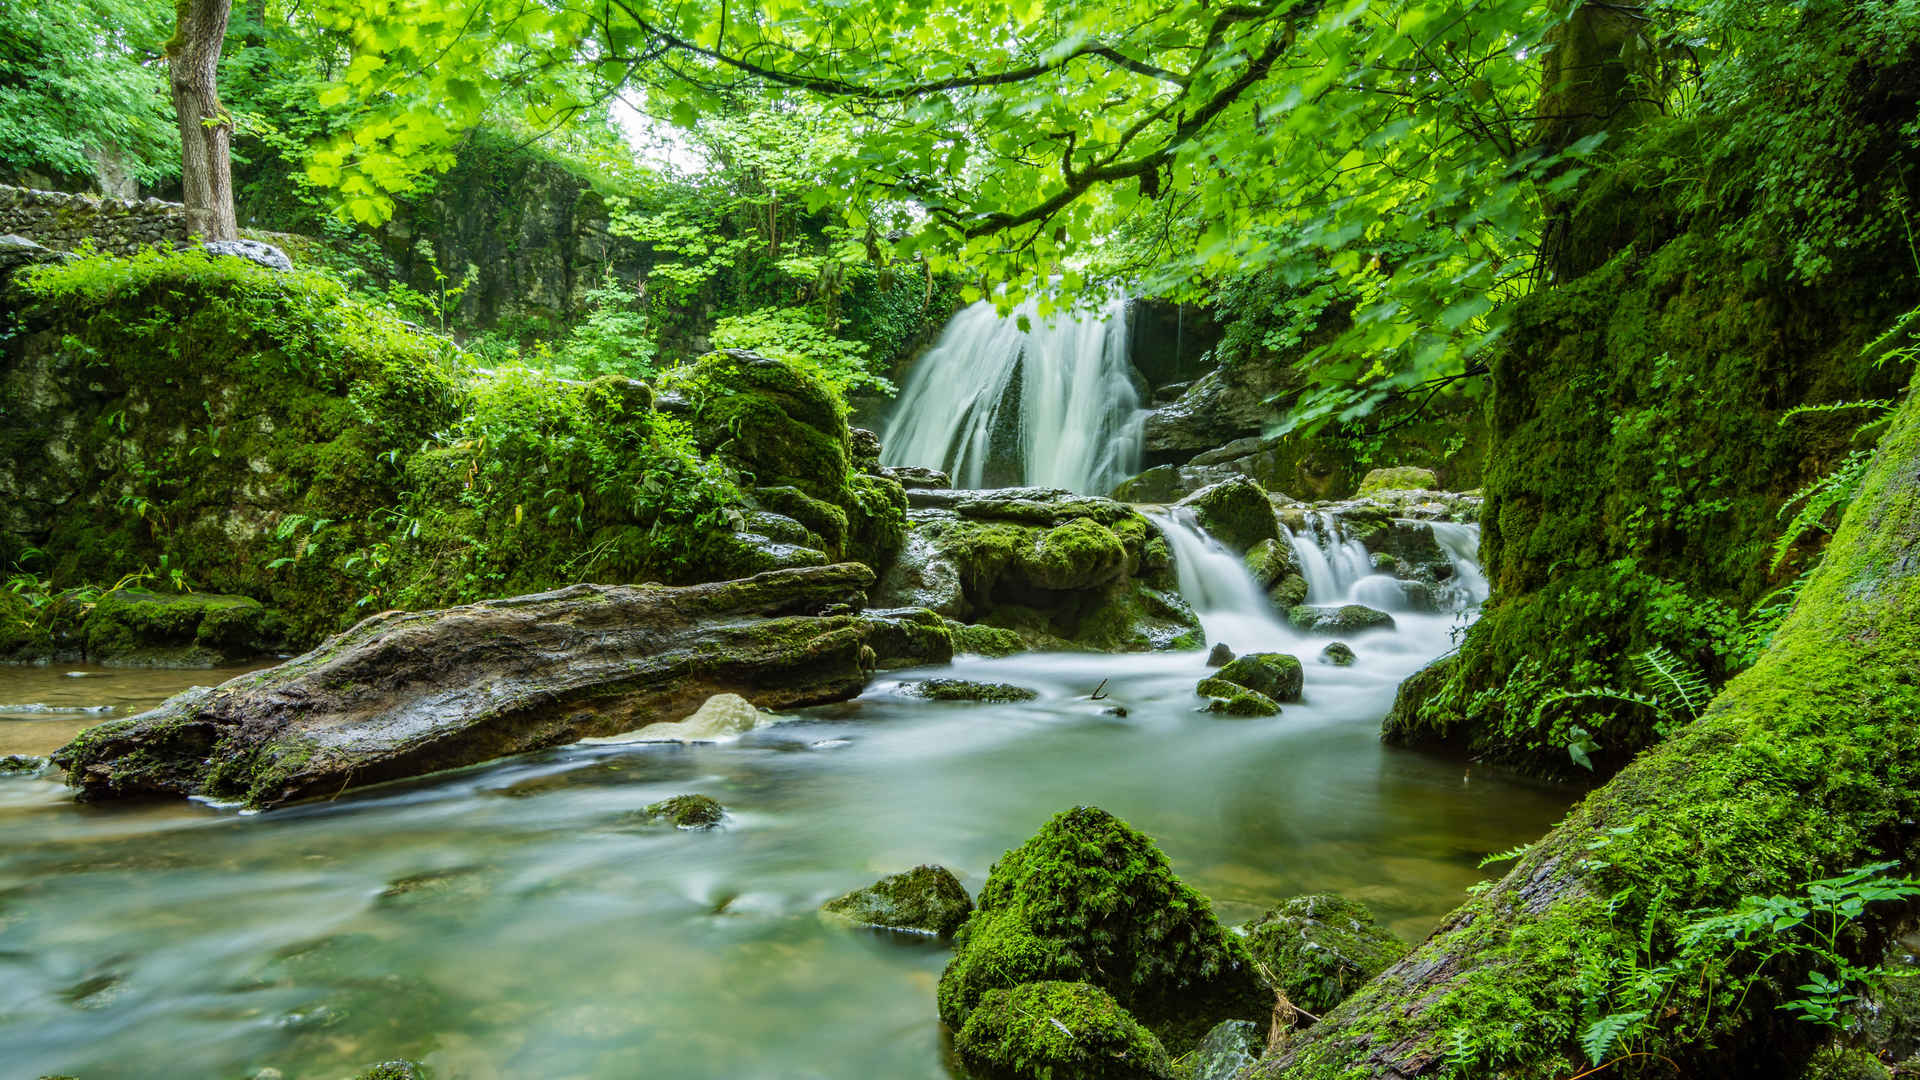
(513, 920)
(1051, 406)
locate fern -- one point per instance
(1605, 1034)
(1816, 500)
(1681, 688)
(1899, 345)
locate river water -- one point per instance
(512, 920)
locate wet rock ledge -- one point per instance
(403, 694)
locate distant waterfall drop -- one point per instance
(1054, 406)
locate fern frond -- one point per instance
(1880, 405)
(1681, 688)
(1606, 1032)
(1897, 344)
(1834, 490)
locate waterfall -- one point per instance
(1332, 564)
(1053, 406)
(1217, 583)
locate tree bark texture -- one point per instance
(206, 131)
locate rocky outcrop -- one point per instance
(1321, 948)
(403, 694)
(1062, 571)
(135, 627)
(687, 812)
(1235, 512)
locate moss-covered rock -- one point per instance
(136, 627)
(1340, 619)
(1232, 699)
(1277, 675)
(780, 425)
(984, 640)
(1231, 1046)
(397, 1070)
(687, 812)
(1320, 947)
(1399, 478)
(925, 899)
(1080, 554)
(1057, 1031)
(1089, 898)
(968, 690)
(876, 520)
(23, 765)
(1337, 653)
(1235, 512)
(1270, 561)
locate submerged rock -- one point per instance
(1321, 947)
(1219, 655)
(1277, 675)
(687, 812)
(1232, 1045)
(1235, 512)
(1090, 899)
(1343, 619)
(23, 765)
(1056, 1030)
(925, 899)
(722, 716)
(968, 690)
(1232, 699)
(1337, 653)
(407, 693)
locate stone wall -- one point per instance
(61, 221)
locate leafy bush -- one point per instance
(613, 339)
(795, 335)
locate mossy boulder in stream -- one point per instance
(1057, 1031)
(778, 424)
(925, 899)
(1277, 675)
(1235, 512)
(1399, 478)
(968, 690)
(1338, 619)
(397, 1070)
(1232, 699)
(135, 627)
(1053, 569)
(688, 812)
(1321, 947)
(1090, 899)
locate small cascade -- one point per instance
(1217, 584)
(1052, 406)
(1339, 570)
(1468, 587)
(1332, 564)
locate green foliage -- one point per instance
(613, 339)
(81, 76)
(793, 335)
(1057, 1031)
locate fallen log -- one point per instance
(407, 693)
(1806, 765)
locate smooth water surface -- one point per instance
(41, 708)
(515, 920)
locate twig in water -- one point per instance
(1098, 691)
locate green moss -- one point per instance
(1232, 699)
(1400, 478)
(397, 1070)
(1320, 948)
(984, 640)
(781, 426)
(1235, 512)
(138, 627)
(1057, 1031)
(1344, 619)
(876, 520)
(1276, 675)
(927, 899)
(967, 690)
(1089, 898)
(687, 812)
(1080, 554)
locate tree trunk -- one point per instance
(193, 61)
(1804, 766)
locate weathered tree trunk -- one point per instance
(206, 171)
(1805, 765)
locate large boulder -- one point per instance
(1060, 571)
(138, 628)
(1089, 899)
(774, 422)
(1277, 675)
(1235, 512)
(1321, 948)
(1232, 699)
(924, 900)
(1057, 1031)
(1340, 619)
(407, 693)
(1399, 478)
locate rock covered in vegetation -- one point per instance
(403, 694)
(1088, 898)
(1235, 512)
(1337, 653)
(1056, 1030)
(908, 637)
(925, 899)
(1219, 655)
(1231, 1046)
(983, 640)
(968, 690)
(23, 765)
(1337, 619)
(1320, 947)
(399, 1069)
(1232, 699)
(150, 629)
(688, 812)
(1277, 675)
(1056, 569)
(1398, 478)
